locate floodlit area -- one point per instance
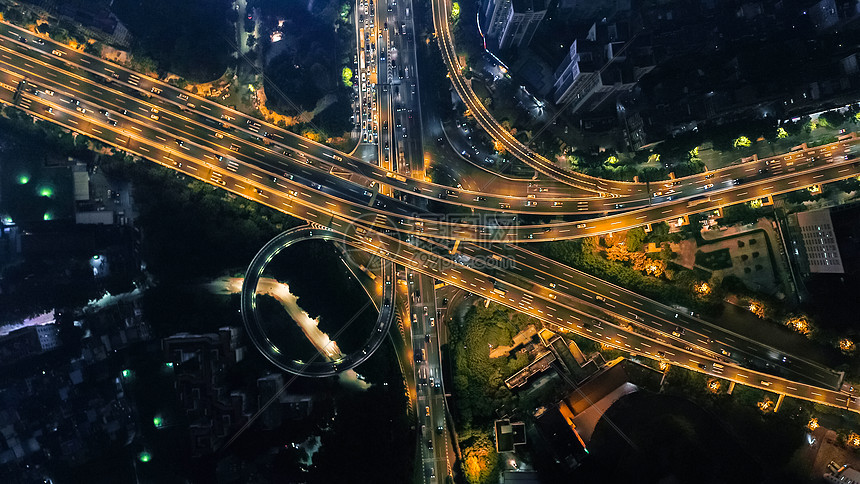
(281, 292)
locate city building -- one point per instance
(599, 67)
(823, 15)
(842, 475)
(508, 435)
(200, 362)
(267, 387)
(29, 341)
(522, 21)
(565, 7)
(819, 242)
(512, 23)
(495, 13)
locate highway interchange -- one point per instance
(384, 210)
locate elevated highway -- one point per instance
(151, 128)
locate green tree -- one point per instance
(480, 460)
(635, 237)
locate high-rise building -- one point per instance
(522, 21)
(596, 68)
(819, 241)
(40, 337)
(495, 14)
(823, 15)
(513, 23)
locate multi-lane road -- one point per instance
(270, 165)
(436, 449)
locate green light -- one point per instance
(126, 373)
(95, 257)
(7, 220)
(46, 192)
(169, 364)
(48, 216)
(144, 456)
(157, 421)
(23, 179)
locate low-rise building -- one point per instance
(200, 362)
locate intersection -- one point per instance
(382, 208)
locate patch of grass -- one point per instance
(716, 260)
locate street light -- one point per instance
(714, 386)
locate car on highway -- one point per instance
(57, 53)
(678, 332)
(581, 226)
